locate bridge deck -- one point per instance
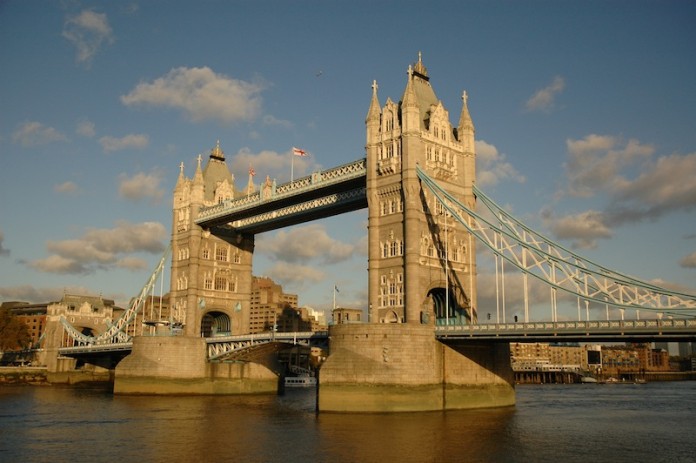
(575, 331)
(566, 331)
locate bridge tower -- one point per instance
(211, 275)
(422, 265)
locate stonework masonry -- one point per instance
(177, 365)
(402, 367)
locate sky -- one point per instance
(585, 116)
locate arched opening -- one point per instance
(391, 317)
(216, 324)
(87, 331)
(446, 308)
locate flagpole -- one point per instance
(292, 165)
(334, 301)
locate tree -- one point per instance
(14, 334)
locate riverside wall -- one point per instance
(177, 365)
(403, 368)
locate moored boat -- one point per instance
(300, 381)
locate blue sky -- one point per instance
(585, 116)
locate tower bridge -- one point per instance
(425, 219)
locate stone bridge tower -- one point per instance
(422, 265)
(211, 276)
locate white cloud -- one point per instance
(86, 129)
(132, 141)
(664, 186)
(65, 187)
(596, 162)
(633, 185)
(34, 133)
(59, 264)
(88, 31)
(636, 186)
(295, 275)
(302, 244)
(103, 248)
(132, 263)
(583, 229)
(544, 99)
(689, 261)
(3, 250)
(32, 294)
(141, 186)
(201, 94)
(492, 166)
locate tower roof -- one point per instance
(216, 172)
(421, 89)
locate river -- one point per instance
(651, 422)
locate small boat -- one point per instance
(300, 381)
(588, 379)
(640, 381)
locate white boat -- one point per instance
(588, 379)
(300, 381)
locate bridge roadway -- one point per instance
(648, 330)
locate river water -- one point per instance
(652, 422)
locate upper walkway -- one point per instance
(322, 194)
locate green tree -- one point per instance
(13, 333)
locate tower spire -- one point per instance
(410, 111)
(373, 112)
(466, 125)
(217, 153)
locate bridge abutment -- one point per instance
(178, 365)
(403, 368)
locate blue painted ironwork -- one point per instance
(535, 255)
(116, 333)
(221, 346)
(682, 329)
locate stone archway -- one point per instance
(391, 317)
(446, 307)
(216, 323)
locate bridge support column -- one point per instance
(178, 365)
(402, 368)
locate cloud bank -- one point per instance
(201, 94)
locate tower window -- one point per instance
(221, 254)
(220, 283)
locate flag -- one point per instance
(336, 289)
(299, 152)
(252, 172)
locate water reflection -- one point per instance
(424, 437)
(564, 423)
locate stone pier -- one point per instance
(177, 365)
(403, 368)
